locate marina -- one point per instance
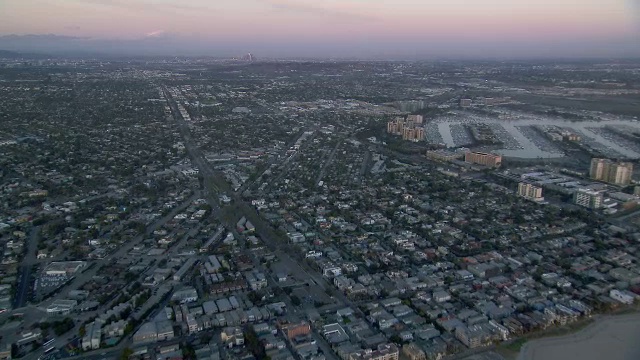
(520, 139)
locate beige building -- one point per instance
(396, 126)
(444, 155)
(413, 134)
(530, 192)
(410, 128)
(413, 352)
(617, 173)
(573, 137)
(473, 336)
(620, 174)
(5, 352)
(416, 119)
(486, 159)
(596, 171)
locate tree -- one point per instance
(565, 263)
(395, 339)
(188, 351)
(129, 276)
(254, 297)
(126, 353)
(61, 327)
(295, 300)
(253, 343)
(128, 329)
(329, 291)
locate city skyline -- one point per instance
(331, 28)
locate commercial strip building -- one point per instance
(61, 307)
(185, 295)
(64, 268)
(486, 159)
(154, 331)
(184, 268)
(444, 155)
(383, 352)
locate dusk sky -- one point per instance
(335, 28)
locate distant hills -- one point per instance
(41, 46)
(163, 44)
(73, 46)
(7, 54)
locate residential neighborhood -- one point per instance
(224, 209)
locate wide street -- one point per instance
(213, 183)
(25, 269)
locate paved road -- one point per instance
(25, 270)
(365, 164)
(332, 156)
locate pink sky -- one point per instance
(323, 21)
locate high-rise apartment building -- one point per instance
(588, 198)
(486, 159)
(596, 170)
(396, 126)
(410, 128)
(617, 173)
(413, 134)
(416, 119)
(529, 191)
(620, 174)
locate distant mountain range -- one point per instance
(59, 45)
(153, 44)
(162, 44)
(6, 54)
(9, 54)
